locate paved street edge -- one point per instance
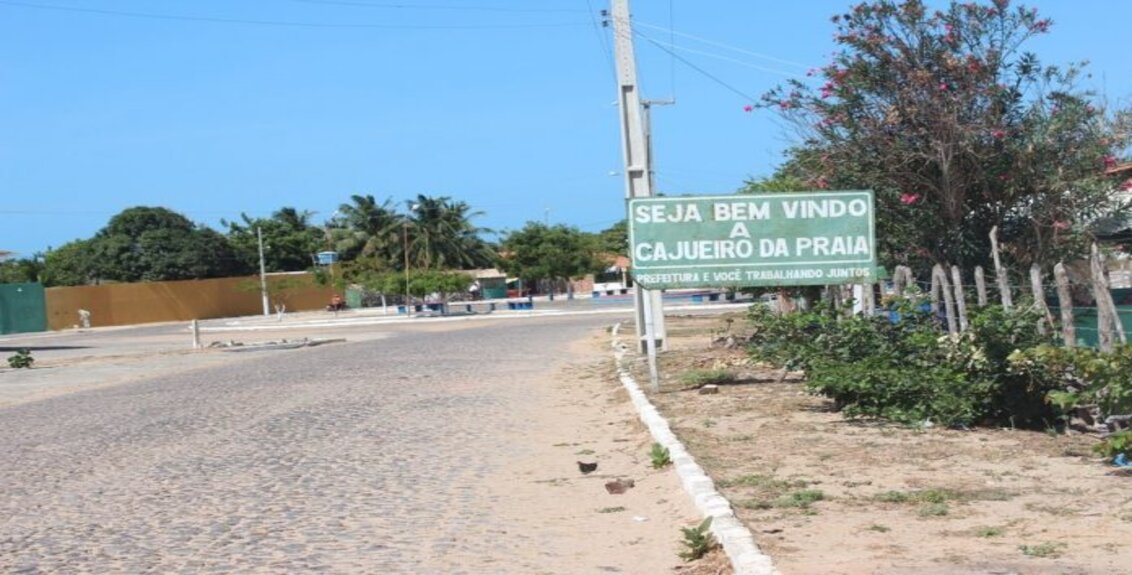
(737, 541)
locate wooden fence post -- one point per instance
(960, 297)
(940, 277)
(935, 297)
(1040, 298)
(1000, 272)
(1104, 300)
(898, 281)
(868, 302)
(1105, 321)
(1065, 302)
(981, 286)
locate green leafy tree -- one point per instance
(23, 270)
(540, 252)
(442, 235)
(614, 239)
(71, 264)
(290, 241)
(143, 244)
(957, 129)
(365, 228)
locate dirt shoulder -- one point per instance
(825, 495)
(585, 415)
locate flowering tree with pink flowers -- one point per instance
(957, 129)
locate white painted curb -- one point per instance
(736, 539)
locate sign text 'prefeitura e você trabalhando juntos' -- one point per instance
(805, 238)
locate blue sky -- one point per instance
(213, 108)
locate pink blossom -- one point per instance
(821, 183)
(1089, 109)
(1110, 161)
(748, 108)
(1127, 185)
(943, 86)
(909, 199)
(1060, 225)
(998, 134)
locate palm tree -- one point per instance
(442, 235)
(366, 228)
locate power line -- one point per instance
(603, 42)
(386, 5)
(733, 60)
(278, 23)
(722, 45)
(671, 61)
(705, 73)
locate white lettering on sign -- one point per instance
(667, 213)
(808, 209)
(694, 250)
(740, 211)
(773, 248)
(835, 246)
(739, 230)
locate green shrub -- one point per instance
(22, 359)
(659, 456)
(1119, 443)
(700, 377)
(1069, 377)
(698, 540)
(909, 370)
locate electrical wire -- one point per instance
(735, 61)
(386, 5)
(703, 72)
(722, 45)
(730, 59)
(278, 23)
(603, 42)
(671, 61)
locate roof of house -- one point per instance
(489, 273)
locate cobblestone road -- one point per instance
(355, 458)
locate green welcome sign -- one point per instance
(779, 239)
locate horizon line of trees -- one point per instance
(374, 240)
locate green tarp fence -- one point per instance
(1085, 321)
(22, 308)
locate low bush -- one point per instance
(902, 366)
(1081, 378)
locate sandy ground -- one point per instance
(582, 415)
(824, 495)
(587, 417)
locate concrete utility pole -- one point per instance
(646, 119)
(262, 272)
(638, 164)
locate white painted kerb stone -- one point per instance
(736, 539)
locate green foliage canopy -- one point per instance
(290, 241)
(538, 251)
(957, 129)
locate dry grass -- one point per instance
(887, 498)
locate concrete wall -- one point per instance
(128, 304)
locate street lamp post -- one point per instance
(405, 236)
(405, 240)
